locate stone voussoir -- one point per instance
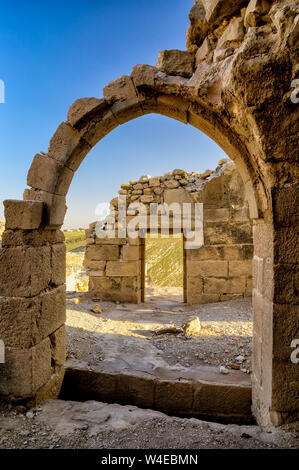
(67, 146)
(85, 109)
(120, 89)
(144, 75)
(176, 62)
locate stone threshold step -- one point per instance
(200, 392)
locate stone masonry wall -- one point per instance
(32, 305)
(115, 267)
(219, 270)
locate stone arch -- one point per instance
(43, 209)
(127, 98)
(249, 118)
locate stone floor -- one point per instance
(65, 424)
(116, 355)
(127, 332)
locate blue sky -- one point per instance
(54, 52)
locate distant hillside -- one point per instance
(2, 224)
(75, 240)
(164, 261)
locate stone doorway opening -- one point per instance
(164, 269)
(76, 275)
(125, 339)
(221, 109)
(210, 209)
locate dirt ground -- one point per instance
(224, 339)
(127, 331)
(93, 425)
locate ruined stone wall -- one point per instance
(222, 268)
(115, 267)
(32, 305)
(219, 270)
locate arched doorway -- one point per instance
(33, 253)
